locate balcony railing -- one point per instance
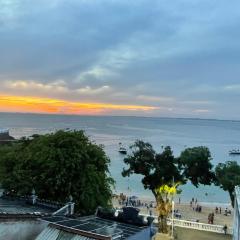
(193, 225)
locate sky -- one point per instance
(118, 57)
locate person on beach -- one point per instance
(216, 210)
(212, 218)
(196, 209)
(226, 211)
(195, 201)
(225, 229)
(209, 218)
(150, 212)
(179, 200)
(220, 210)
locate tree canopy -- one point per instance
(162, 170)
(228, 176)
(194, 164)
(58, 165)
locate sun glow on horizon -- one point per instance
(56, 106)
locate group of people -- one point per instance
(226, 211)
(196, 207)
(218, 210)
(193, 201)
(133, 201)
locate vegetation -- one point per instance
(228, 176)
(159, 169)
(56, 166)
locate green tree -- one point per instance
(56, 166)
(227, 177)
(160, 169)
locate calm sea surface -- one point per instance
(219, 136)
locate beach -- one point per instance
(187, 212)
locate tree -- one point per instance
(56, 166)
(227, 177)
(163, 169)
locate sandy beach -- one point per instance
(187, 212)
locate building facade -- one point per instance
(236, 223)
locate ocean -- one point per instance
(219, 136)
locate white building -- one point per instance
(236, 223)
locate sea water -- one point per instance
(218, 136)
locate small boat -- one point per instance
(122, 149)
(234, 151)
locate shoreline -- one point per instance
(186, 211)
(148, 199)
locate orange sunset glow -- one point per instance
(55, 106)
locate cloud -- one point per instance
(56, 106)
(178, 56)
(201, 111)
(233, 88)
(155, 98)
(57, 88)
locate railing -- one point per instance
(68, 209)
(199, 226)
(192, 225)
(38, 202)
(49, 204)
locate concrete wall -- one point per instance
(20, 230)
(191, 234)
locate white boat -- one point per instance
(234, 151)
(122, 149)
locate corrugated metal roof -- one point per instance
(50, 233)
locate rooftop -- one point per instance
(3, 130)
(21, 207)
(4, 136)
(91, 227)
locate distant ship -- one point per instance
(122, 149)
(234, 151)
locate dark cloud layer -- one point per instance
(181, 56)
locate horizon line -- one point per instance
(125, 116)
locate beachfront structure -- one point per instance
(4, 133)
(3, 130)
(104, 225)
(236, 223)
(20, 220)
